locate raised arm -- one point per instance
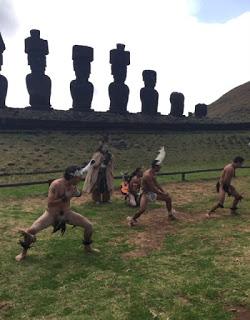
(86, 168)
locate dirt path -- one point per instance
(240, 312)
(155, 223)
(156, 226)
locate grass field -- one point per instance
(191, 269)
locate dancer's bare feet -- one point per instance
(89, 249)
(131, 222)
(172, 215)
(234, 212)
(21, 256)
(210, 214)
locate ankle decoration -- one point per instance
(234, 208)
(87, 242)
(26, 243)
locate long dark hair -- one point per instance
(70, 171)
(134, 173)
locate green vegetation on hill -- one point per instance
(54, 150)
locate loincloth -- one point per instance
(59, 223)
(151, 196)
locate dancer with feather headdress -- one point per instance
(58, 212)
(152, 191)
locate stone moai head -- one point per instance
(149, 78)
(200, 110)
(177, 104)
(82, 57)
(2, 48)
(37, 49)
(119, 59)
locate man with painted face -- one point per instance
(58, 212)
(224, 186)
(152, 191)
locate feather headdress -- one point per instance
(161, 156)
(80, 172)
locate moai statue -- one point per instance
(149, 96)
(177, 104)
(81, 89)
(118, 90)
(37, 82)
(3, 80)
(200, 110)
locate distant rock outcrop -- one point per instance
(232, 106)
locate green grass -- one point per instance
(200, 272)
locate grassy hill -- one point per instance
(29, 151)
(234, 105)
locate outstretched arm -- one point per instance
(86, 168)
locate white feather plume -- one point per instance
(161, 155)
(80, 173)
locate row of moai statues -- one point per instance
(82, 90)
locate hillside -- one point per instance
(27, 151)
(234, 105)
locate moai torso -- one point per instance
(3, 80)
(81, 89)
(148, 95)
(38, 84)
(200, 110)
(118, 90)
(177, 104)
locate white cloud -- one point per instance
(201, 60)
(8, 22)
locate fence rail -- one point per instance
(29, 183)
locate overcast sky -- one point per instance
(198, 47)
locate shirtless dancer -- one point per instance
(58, 212)
(151, 191)
(134, 188)
(224, 186)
